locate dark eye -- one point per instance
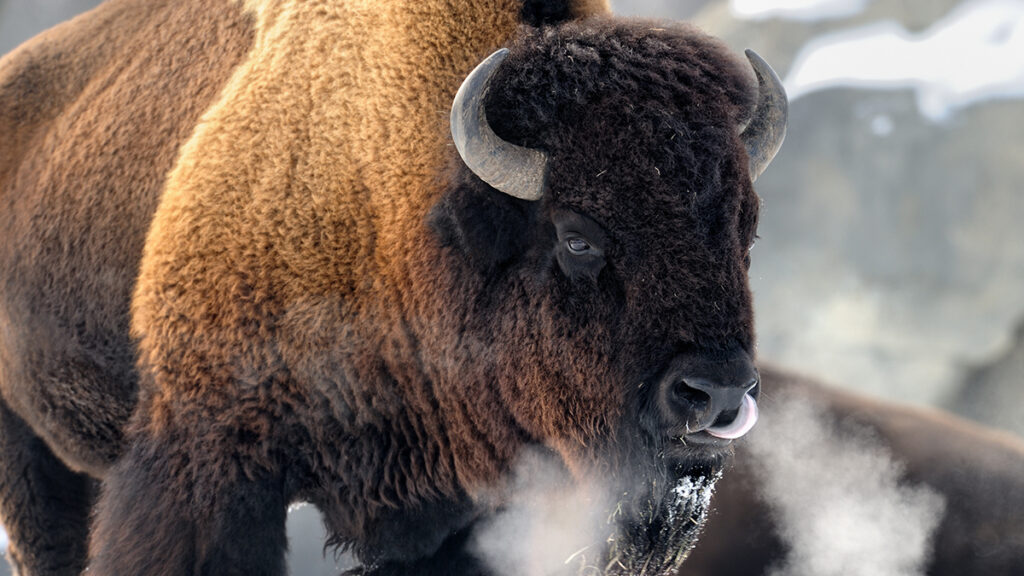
(577, 246)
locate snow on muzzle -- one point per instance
(659, 545)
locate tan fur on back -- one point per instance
(304, 186)
(323, 153)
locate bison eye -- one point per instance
(578, 246)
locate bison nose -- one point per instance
(717, 396)
(731, 411)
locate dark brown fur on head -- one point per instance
(639, 120)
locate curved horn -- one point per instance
(764, 134)
(515, 170)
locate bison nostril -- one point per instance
(690, 397)
(726, 417)
(703, 404)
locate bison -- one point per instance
(252, 254)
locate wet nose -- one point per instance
(732, 410)
(713, 393)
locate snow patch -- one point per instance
(804, 10)
(974, 54)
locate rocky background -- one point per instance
(890, 258)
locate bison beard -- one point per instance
(553, 526)
(668, 530)
(548, 524)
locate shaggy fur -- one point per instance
(328, 305)
(91, 116)
(428, 374)
(979, 472)
(668, 170)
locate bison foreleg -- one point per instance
(181, 504)
(44, 505)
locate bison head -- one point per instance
(603, 213)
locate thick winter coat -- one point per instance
(244, 264)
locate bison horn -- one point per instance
(764, 134)
(514, 170)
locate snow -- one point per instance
(974, 54)
(805, 10)
(691, 495)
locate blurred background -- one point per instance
(891, 259)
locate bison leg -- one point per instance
(181, 505)
(45, 506)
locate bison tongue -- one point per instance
(658, 547)
(741, 424)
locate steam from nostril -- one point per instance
(839, 497)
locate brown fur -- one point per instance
(295, 222)
(297, 200)
(91, 116)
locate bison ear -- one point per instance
(486, 225)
